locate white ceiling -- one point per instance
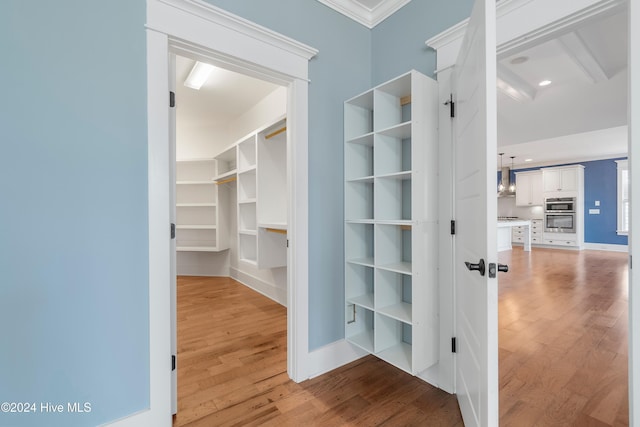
(225, 96)
(588, 94)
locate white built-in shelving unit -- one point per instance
(200, 222)
(272, 195)
(391, 221)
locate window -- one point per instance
(623, 197)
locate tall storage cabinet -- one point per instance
(391, 221)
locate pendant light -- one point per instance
(512, 185)
(500, 185)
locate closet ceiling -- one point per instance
(225, 96)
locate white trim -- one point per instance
(621, 166)
(267, 289)
(369, 17)
(606, 247)
(333, 356)
(193, 24)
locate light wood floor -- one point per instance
(563, 338)
(563, 355)
(232, 371)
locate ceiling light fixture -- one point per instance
(519, 60)
(198, 75)
(544, 83)
(528, 160)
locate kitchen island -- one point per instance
(504, 233)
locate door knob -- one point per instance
(492, 269)
(479, 267)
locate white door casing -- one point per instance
(475, 134)
(172, 208)
(242, 46)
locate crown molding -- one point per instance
(369, 17)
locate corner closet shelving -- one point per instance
(257, 164)
(201, 225)
(391, 221)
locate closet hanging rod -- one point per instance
(405, 227)
(276, 230)
(276, 132)
(224, 181)
(405, 100)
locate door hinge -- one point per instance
(287, 242)
(173, 231)
(453, 227)
(630, 262)
(453, 345)
(452, 106)
(173, 362)
(172, 99)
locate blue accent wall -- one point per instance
(73, 208)
(600, 183)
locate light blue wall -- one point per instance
(341, 70)
(73, 209)
(398, 41)
(73, 254)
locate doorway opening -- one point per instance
(230, 203)
(558, 317)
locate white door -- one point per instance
(475, 214)
(172, 199)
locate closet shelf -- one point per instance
(195, 227)
(225, 175)
(197, 249)
(195, 182)
(400, 311)
(195, 205)
(365, 301)
(248, 232)
(274, 225)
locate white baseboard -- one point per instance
(269, 290)
(332, 356)
(606, 247)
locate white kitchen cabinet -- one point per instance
(201, 216)
(390, 228)
(529, 189)
(563, 179)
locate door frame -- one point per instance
(193, 26)
(521, 23)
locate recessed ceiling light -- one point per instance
(544, 83)
(519, 60)
(198, 75)
(528, 160)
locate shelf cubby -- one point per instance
(393, 341)
(247, 216)
(358, 113)
(359, 200)
(359, 247)
(393, 197)
(195, 170)
(195, 215)
(247, 153)
(390, 102)
(226, 162)
(247, 247)
(394, 295)
(393, 155)
(360, 326)
(272, 247)
(247, 186)
(393, 248)
(191, 239)
(196, 193)
(359, 157)
(359, 285)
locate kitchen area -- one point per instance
(541, 207)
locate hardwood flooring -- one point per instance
(232, 371)
(563, 338)
(562, 350)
